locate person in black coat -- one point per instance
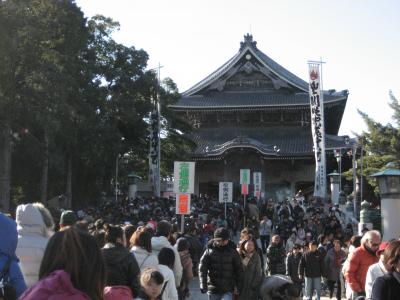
(387, 287)
(220, 268)
(122, 267)
(292, 265)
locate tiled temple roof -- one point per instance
(252, 99)
(291, 141)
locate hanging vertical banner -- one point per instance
(225, 192)
(244, 176)
(183, 204)
(318, 129)
(184, 177)
(154, 156)
(245, 189)
(257, 184)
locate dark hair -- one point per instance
(166, 256)
(112, 233)
(321, 238)
(313, 243)
(244, 242)
(392, 253)
(142, 238)
(182, 244)
(78, 254)
(163, 228)
(129, 230)
(355, 241)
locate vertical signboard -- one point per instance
(183, 185)
(318, 129)
(257, 184)
(244, 176)
(183, 204)
(245, 180)
(225, 192)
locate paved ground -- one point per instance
(197, 295)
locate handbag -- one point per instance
(7, 291)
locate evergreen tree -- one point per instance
(381, 143)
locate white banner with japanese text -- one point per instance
(225, 192)
(318, 129)
(257, 184)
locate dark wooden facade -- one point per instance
(253, 113)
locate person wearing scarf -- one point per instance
(252, 269)
(333, 265)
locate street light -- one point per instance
(389, 187)
(338, 156)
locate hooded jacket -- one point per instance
(220, 269)
(8, 244)
(159, 242)
(32, 241)
(144, 258)
(57, 285)
(122, 267)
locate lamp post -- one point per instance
(338, 156)
(335, 179)
(389, 188)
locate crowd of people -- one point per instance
(134, 249)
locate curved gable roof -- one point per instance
(249, 46)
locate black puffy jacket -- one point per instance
(122, 267)
(220, 269)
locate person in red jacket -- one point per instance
(362, 258)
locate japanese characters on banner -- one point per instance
(318, 129)
(183, 185)
(257, 184)
(245, 180)
(225, 192)
(183, 204)
(154, 152)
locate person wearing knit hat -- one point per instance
(221, 234)
(220, 268)
(68, 218)
(376, 270)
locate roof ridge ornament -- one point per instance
(248, 41)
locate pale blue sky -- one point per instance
(358, 39)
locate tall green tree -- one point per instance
(381, 143)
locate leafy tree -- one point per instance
(381, 143)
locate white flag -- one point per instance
(318, 129)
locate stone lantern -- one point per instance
(365, 217)
(132, 183)
(335, 186)
(389, 189)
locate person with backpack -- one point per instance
(10, 273)
(122, 268)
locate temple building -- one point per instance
(251, 113)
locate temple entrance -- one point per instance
(211, 189)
